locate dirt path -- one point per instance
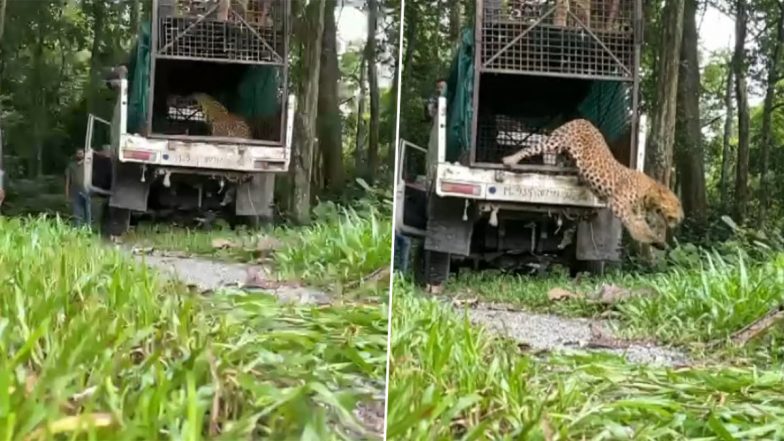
(554, 333)
(209, 275)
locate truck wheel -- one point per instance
(593, 267)
(252, 222)
(115, 221)
(436, 267)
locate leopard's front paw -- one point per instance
(509, 161)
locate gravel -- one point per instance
(554, 333)
(209, 275)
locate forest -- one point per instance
(54, 55)
(686, 348)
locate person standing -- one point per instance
(76, 191)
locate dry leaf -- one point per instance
(471, 303)
(612, 294)
(259, 278)
(73, 424)
(221, 244)
(547, 430)
(268, 243)
(562, 294)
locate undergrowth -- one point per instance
(699, 296)
(451, 380)
(341, 246)
(90, 339)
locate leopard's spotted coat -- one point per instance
(632, 195)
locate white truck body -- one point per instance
(166, 152)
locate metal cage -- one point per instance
(239, 31)
(208, 44)
(528, 51)
(587, 38)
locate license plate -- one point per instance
(205, 160)
(547, 195)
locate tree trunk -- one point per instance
(3, 4)
(311, 32)
(729, 104)
(691, 165)
(659, 150)
(98, 13)
(767, 110)
(741, 94)
(134, 16)
(370, 56)
(359, 154)
(454, 21)
(329, 130)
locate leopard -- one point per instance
(635, 198)
(221, 121)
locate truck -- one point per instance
(156, 155)
(522, 70)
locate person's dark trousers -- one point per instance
(402, 247)
(81, 209)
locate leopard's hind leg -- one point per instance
(552, 145)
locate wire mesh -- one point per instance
(183, 116)
(607, 106)
(586, 38)
(249, 31)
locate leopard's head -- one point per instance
(662, 201)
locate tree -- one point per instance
(690, 158)
(741, 93)
(725, 150)
(773, 63)
(359, 156)
(330, 141)
(659, 150)
(311, 30)
(372, 73)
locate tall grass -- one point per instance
(91, 340)
(342, 248)
(450, 380)
(705, 297)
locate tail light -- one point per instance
(461, 188)
(139, 155)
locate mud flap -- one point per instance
(254, 197)
(128, 190)
(447, 232)
(600, 238)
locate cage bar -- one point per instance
(541, 63)
(249, 31)
(585, 38)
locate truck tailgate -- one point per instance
(510, 186)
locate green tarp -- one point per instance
(607, 105)
(255, 96)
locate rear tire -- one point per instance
(115, 221)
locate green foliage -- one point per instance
(343, 246)
(451, 380)
(84, 330)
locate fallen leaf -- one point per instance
(268, 243)
(562, 294)
(547, 430)
(73, 424)
(603, 339)
(222, 244)
(471, 303)
(257, 277)
(612, 294)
